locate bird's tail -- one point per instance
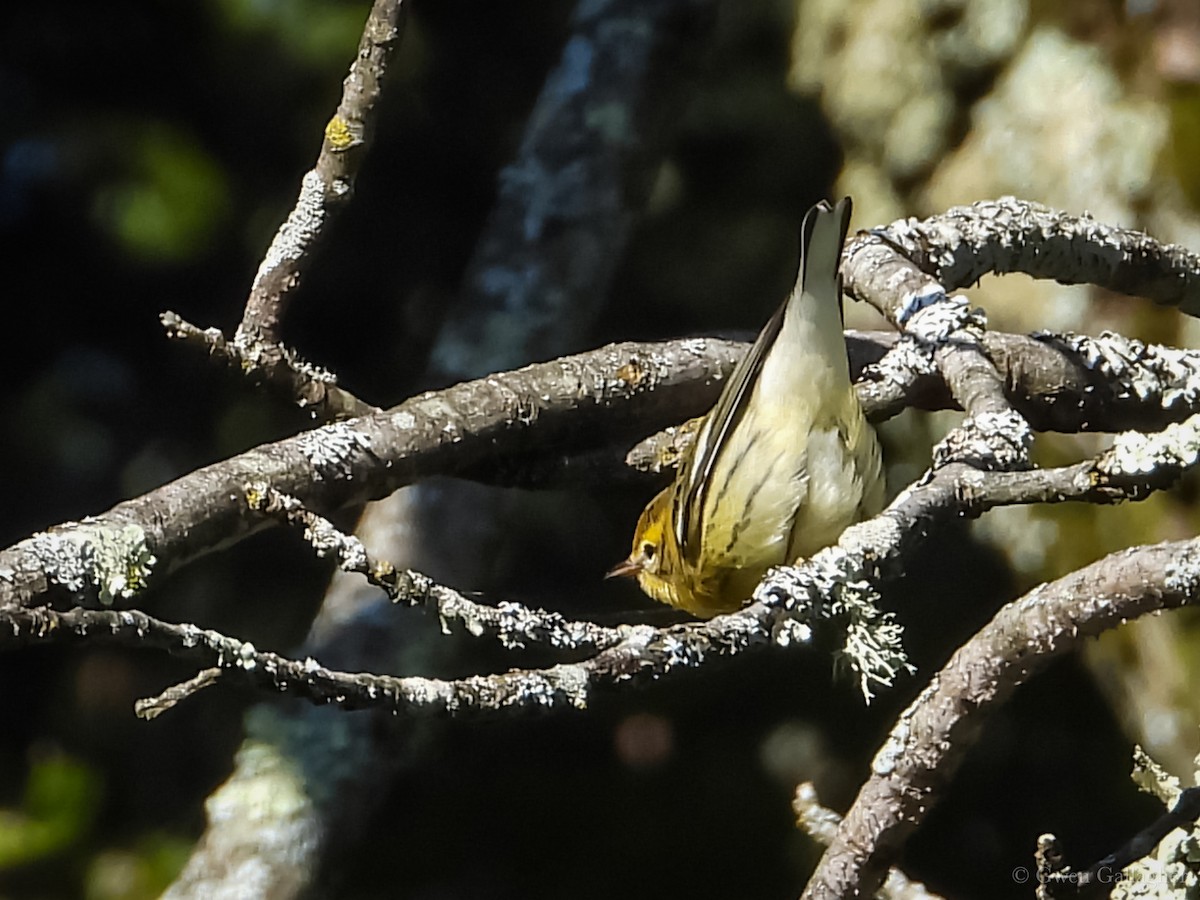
(813, 321)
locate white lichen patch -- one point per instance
(835, 585)
(935, 323)
(791, 632)
(326, 540)
(695, 345)
(330, 448)
(1182, 575)
(572, 681)
(994, 440)
(247, 657)
(115, 561)
(352, 554)
(1133, 453)
(1145, 372)
(309, 370)
(907, 358)
(302, 226)
(120, 562)
(873, 646)
(62, 556)
(516, 624)
(895, 747)
(675, 653)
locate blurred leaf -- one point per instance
(143, 872)
(61, 799)
(1183, 101)
(173, 201)
(316, 32)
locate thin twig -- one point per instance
(325, 189)
(1105, 873)
(153, 707)
(308, 385)
(514, 624)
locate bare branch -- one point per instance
(908, 269)
(605, 395)
(961, 245)
(941, 333)
(241, 662)
(513, 624)
(821, 824)
(326, 188)
(926, 744)
(310, 386)
(1103, 874)
(153, 707)
(570, 403)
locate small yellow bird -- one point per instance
(783, 462)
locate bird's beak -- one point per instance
(625, 569)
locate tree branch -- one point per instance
(787, 596)
(923, 750)
(570, 405)
(1105, 873)
(513, 624)
(821, 824)
(279, 368)
(961, 245)
(325, 189)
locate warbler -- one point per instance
(783, 462)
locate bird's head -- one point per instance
(654, 559)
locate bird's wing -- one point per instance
(692, 486)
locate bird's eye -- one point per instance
(648, 551)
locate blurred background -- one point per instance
(149, 151)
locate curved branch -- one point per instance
(926, 744)
(961, 245)
(1058, 880)
(821, 824)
